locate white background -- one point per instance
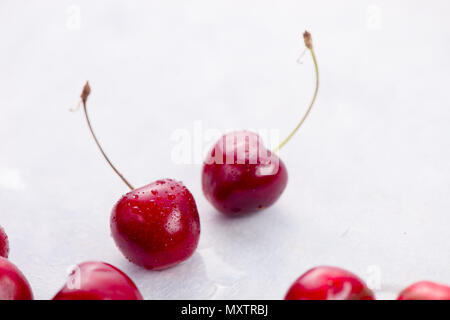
(369, 172)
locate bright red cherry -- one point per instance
(425, 290)
(4, 244)
(156, 226)
(240, 175)
(98, 281)
(13, 284)
(329, 283)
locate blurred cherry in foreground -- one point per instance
(329, 283)
(4, 244)
(98, 281)
(13, 284)
(425, 290)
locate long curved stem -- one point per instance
(308, 43)
(84, 96)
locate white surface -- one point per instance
(369, 172)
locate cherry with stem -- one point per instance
(242, 187)
(155, 226)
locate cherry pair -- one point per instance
(157, 226)
(331, 283)
(88, 281)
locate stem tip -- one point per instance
(86, 92)
(308, 40)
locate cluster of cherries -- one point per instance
(157, 226)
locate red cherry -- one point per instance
(240, 175)
(13, 284)
(4, 244)
(329, 283)
(156, 226)
(425, 290)
(98, 281)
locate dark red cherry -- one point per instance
(329, 283)
(13, 284)
(425, 290)
(240, 175)
(4, 244)
(156, 226)
(98, 281)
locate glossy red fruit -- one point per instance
(241, 176)
(329, 283)
(425, 290)
(4, 244)
(156, 226)
(98, 281)
(13, 284)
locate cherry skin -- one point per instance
(156, 226)
(98, 281)
(329, 283)
(4, 244)
(425, 290)
(13, 284)
(241, 176)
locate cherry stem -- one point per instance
(84, 96)
(308, 44)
